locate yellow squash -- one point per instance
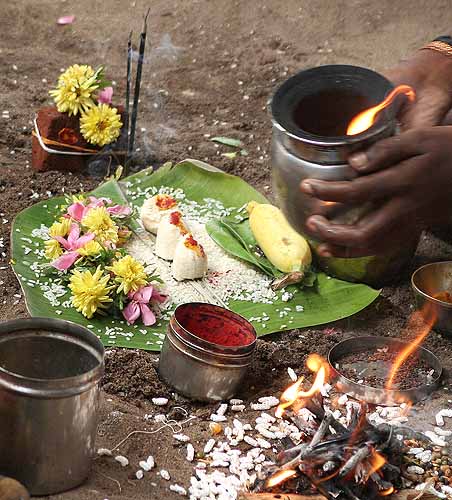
(287, 250)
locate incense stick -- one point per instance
(129, 83)
(138, 84)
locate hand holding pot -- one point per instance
(413, 193)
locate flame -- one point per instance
(289, 396)
(366, 118)
(376, 462)
(317, 365)
(387, 492)
(280, 477)
(427, 317)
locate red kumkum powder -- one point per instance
(207, 323)
(192, 244)
(176, 220)
(165, 202)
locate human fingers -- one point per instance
(368, 234)
(376, 186)
(389, 152)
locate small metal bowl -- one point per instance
(375, 395)
(427, 282)
(198, 359)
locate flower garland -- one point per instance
(85, 247)
(82, 91)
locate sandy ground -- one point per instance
(210, 70)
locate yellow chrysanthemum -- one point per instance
(91, 248)
(90, 292)
(99, 222)
(129, 273)
(75, 88)
(100, 125)
(60, 228)
(52, 249)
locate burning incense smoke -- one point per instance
(366, 118)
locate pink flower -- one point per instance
(139, 305)
(119, 210)
(78, 210)
(71, 245)
(105, 95)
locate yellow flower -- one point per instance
(129, 273)
(90, 291)
(52, 249)
(74, 90)
(99, 222)
(100, 125)
(60, 228)
(78, 198)
(91, 248)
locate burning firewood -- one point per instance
(401, 495)
(357, 461)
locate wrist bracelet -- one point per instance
(442, 44)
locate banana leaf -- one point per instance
(330, 300)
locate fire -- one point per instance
(426, 317)
(387, 492)
(376, 462)
(317, 365)
(280, 477)
(366, 118)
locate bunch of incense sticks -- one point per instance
(130, 123)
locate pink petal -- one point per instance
(66, 20)
(144, 294)
(76, 211)
(97, 202)
(119, 210)
(81, 242)
(147, 316)
(62, 241)
(105, 95)
(158, 297)
(73, 236)
(65, 261)
(131, 312)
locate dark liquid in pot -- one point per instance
(328, 113)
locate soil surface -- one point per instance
(210, 70)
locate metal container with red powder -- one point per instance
(207, 351)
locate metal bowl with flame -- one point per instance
(375, 395)
(432, 286)
(311, 114)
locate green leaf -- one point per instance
(231, 156)
(330, 300)
(221, 235)
(227, 141)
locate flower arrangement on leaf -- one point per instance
(85, 92)
(86, 246)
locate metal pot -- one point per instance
(201, 369)
(311, 112)
(49, 395)
(427, 283)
